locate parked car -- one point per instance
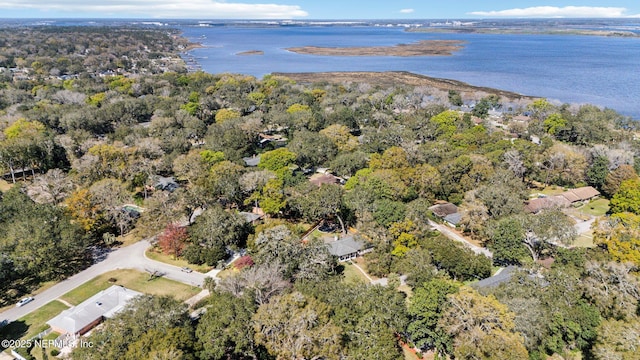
(186, 269)
(25, 301)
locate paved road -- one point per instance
(130, 257)
(444, 230)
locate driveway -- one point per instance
(130, 257)
(444, 230)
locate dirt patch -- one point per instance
(421, 48)
(394, 78)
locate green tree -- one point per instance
(597, 172)
(224, 330)
(426, 307)
(316, 203)
(313, 149)
(627, 198)
(212, 232)
(147, 326)
(506, 241)
(276, 159)
(554, 123)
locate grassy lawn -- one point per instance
(230, 270)
(584, 240)
(134, 280)
(363, 265)
(168, 259)
(352, 275)
(128, 239)
(597, 207)
(32, 324)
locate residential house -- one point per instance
(81, 318)
(252, 161)
(166, 183)
(448, 212)
(348, 248)
(566, 199)
(319, 179)
(253, 217)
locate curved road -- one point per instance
(130, 257)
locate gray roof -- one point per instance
(345, 246)
(106, 303)
(495, 280)
(166, 183)
(453, 218)
(252, 160)
(442, 210)
(250, 217)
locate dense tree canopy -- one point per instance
(108, 138)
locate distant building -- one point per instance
(80, 319)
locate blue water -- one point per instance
(603, 71)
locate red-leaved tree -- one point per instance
(172, 240)
(243, 262)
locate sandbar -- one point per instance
(251, 52)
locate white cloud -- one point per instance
(161, 8)
(553, 11)
(406, 11)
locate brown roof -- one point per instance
(319, 179)
(442, 210)
(535, 205)
(569, 195)
(586, 192)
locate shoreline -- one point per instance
(398, 77)
(523, 31)
(420, 48)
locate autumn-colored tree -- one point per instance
(82, 209)
(243, 262)
(172, 240)
(481, 327)
(620, 233)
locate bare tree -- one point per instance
(51, 187)
(514, 162)
(263, 281)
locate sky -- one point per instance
(319, 9)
